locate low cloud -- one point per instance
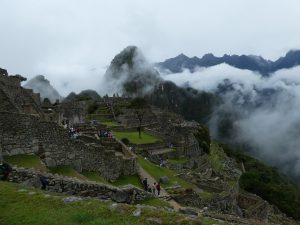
(265, 110)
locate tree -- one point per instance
(140, 106)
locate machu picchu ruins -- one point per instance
(100, 137)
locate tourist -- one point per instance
(145, 183)
(158, 188)
(154, 188)
(5, 170)
(44, 182)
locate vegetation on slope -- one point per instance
(158, 172)
(34, 207)
(268, 183)
(26, 161)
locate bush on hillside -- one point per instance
(268, 183)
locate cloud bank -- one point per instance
(265, 110)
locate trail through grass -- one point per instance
(157, 172)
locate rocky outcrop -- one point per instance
(130, 72)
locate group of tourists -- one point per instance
(105, 133)
(73, 133)
(155, 188)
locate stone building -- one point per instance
(29, 127)
(14, 98)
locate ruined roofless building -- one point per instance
(15, 98)
(24, 130)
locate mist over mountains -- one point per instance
(256, 112)
(241, 107)
(249, 62)
(41, 85)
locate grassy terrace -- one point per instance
(93, 176)
(178, 161)
(33, 161)
(121, 181)
(111, 124)
(132, 179)
(67, 171)
(133, 137)
(33, 207)
(26, 161)
(157, 172)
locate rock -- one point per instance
(120, 196)
(153, 221)
(71, 199)
(113, 206)
(188, 211)
(164, 179)
(33, 182)
(137, 212)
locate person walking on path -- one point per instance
(154, 188)
(158, 188)
(145, 183)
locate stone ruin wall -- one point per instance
(16, 98)
(73, 186)
(26, 134)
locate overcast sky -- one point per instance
(79, 38)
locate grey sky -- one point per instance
(60, 38)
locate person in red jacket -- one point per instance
(158, 188)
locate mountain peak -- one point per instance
(41, 85)
(131, 70)
(249, 62)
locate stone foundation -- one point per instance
(27, 134)
(72, 186)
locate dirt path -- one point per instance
(164, 195)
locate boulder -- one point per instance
(188, 211)
(33, 182)
(137, 212)
(164, 180)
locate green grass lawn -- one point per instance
(26, 161)
(19, 208)
(93, 176)
(67, 171)
(111, 123)
(157, 172)
(133, 137)
(178, 161)
(131, 179)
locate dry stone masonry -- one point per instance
(25, 128)
(72, 186)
